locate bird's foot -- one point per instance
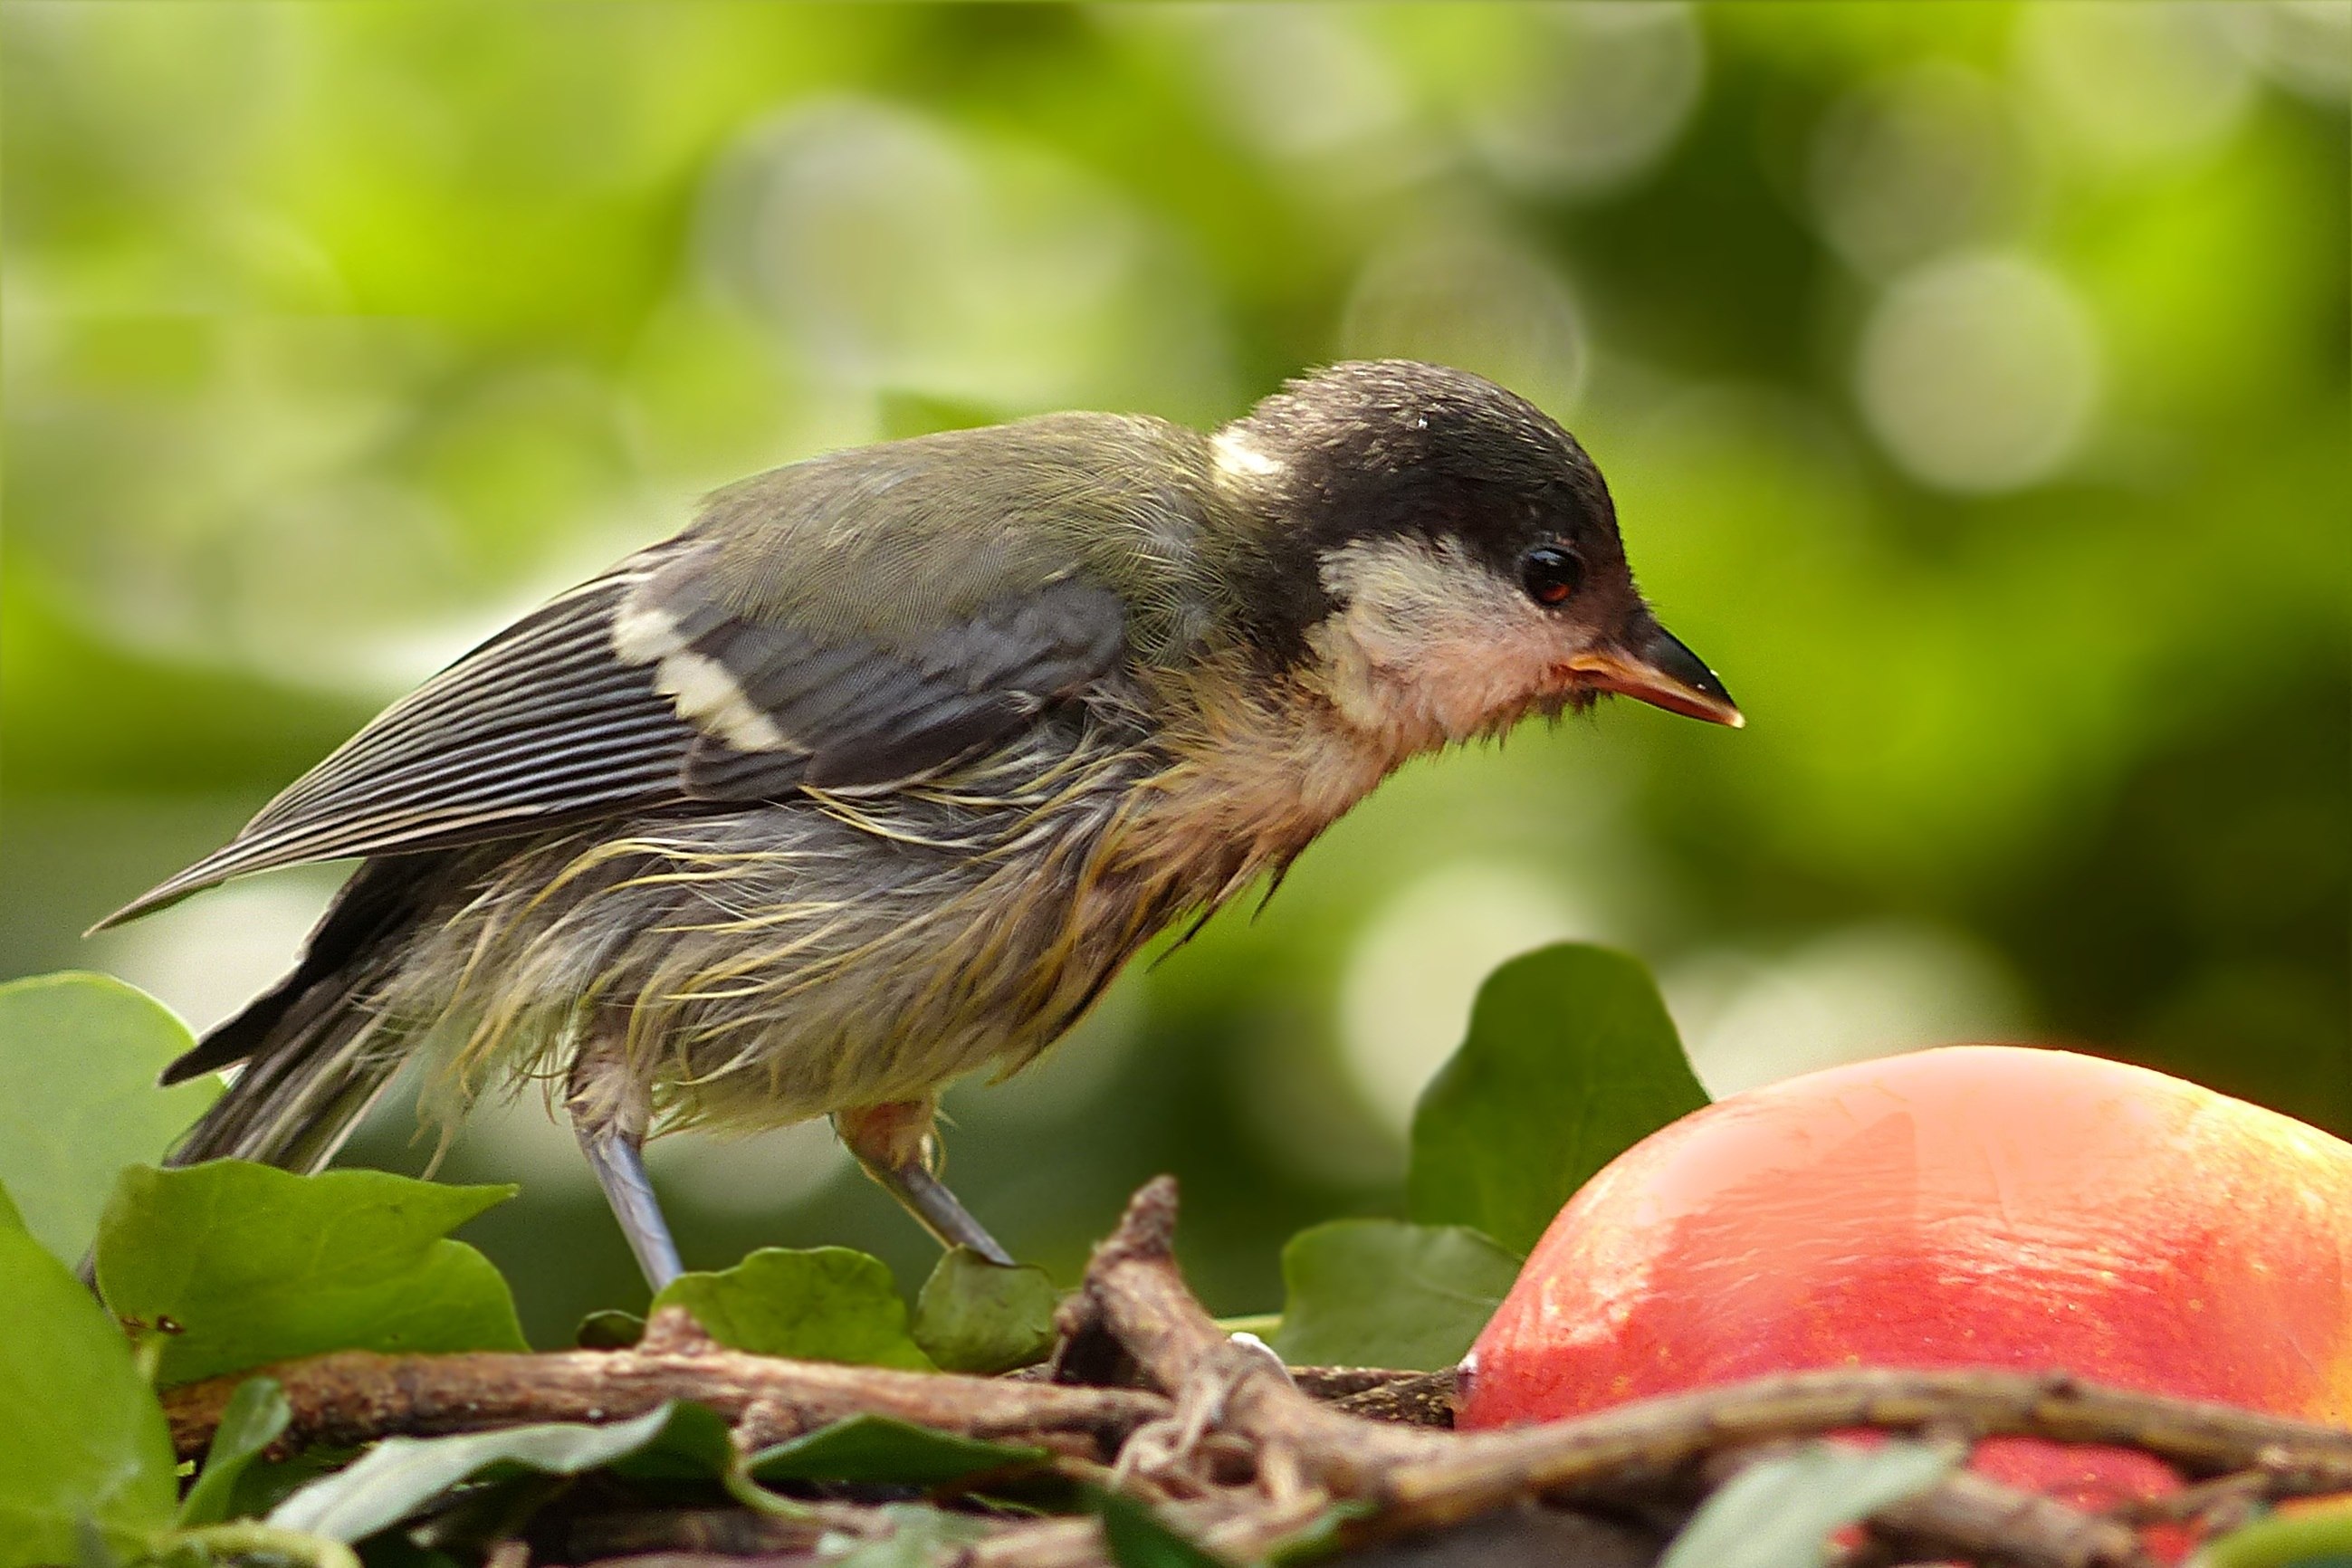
(894, 1143)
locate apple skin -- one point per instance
(1996, 1206)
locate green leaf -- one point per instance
(609, 1328)
(82, 1437)
(401, 1475)
(1380, 1292)
(828, 1303)
(980, 1317)
(256, 1414)
(2318, 1536)
(876, 1449)
(1778, 1513)
(1137, 1540)
(1319, 1537)
(695, 1445)
(920, 1537)
(78, 1059)
(1570, 1061)
(255, 1265)
(267, 1482)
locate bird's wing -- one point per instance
(644, 688)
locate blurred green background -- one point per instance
(1972, 379)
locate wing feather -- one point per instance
(537, 726)
(644, 690)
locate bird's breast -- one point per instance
(1249, 783)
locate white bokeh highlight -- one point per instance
(1475, 301)
(1979, 374)
(1405, 996)
(1866, 991)
(1605, 90)
(2135, 85)
(1922, 161)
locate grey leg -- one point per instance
(929, 1200)
(894, 1144)
(619, 1162)
(609, 1113)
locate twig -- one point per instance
(2237, 1491)
(1046, 1543)
(1970, 1516)
(1133, 1290)
(1653, 1439)
(1240, 1454)
(641, 1537)
(1423, 1399)
(354, 1397)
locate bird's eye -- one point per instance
(1551, 572)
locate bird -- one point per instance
(876, 772)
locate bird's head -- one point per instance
(1443, 558)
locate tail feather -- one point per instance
(314, 1060)
(297, 1100)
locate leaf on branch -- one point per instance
(83, 1440)
(919, 1537)
(1778, 1512)
(1570, 1060)
(257, 1413)
(1380, 1292)
(828, 1303)
(2318, 1536)
(1138, 1539)
(78, 1059)
(400, 1476)
(878, 1448)
(984, 1318)
(238, 1264)
(609, 1328)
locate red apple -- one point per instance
(1977, 1205)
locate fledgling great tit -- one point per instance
(878, 772)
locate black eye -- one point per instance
(1551, 572)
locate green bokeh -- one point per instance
(336, 335)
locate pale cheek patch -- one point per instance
(706, 693)
(1432, 648)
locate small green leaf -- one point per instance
(1778, 1513)
(695, 1445)
(82, 1438)
(920, 1537)
(401, 1475)
(252, 1264)
(267, 1482)
(876, 1449)
(2317, 1537)
(980, 1317)
(256, 1414)
(1137, 1540)
(828, 1303)
(1570, 1061)
(609, 1328)
(1319, 1537)
(1380, 1292)
(78, 1059)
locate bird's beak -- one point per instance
(1659, 670)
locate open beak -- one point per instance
(1661, 672)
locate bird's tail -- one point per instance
(314, 1053)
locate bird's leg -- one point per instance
(894, 1143)
(609, 1114)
